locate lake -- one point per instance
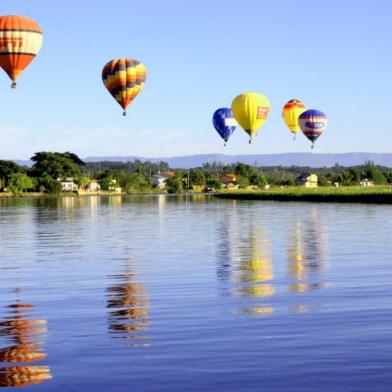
(183, 293)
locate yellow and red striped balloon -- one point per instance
(290, 113)
(20, 41)
(124, 79)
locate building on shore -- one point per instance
(93, 186)
(158, 181)
(67, 184)
(366, 182)
(308, 180)
(229, 180)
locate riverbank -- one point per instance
(349, 194)
(52, 195)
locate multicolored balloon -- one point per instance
(251, 111)
(124, 79)
(313, 122)
(20, 42)
(224, 123)
(290, 113)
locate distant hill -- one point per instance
(285, 159)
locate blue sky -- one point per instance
(335, 56)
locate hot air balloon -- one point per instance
(224, 123)
(20, 41)
(291, 111)
(124, 78)
(312, 123)
(250, 110)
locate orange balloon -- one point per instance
(20, 41)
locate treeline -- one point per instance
(136, 176)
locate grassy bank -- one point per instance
(349, 194)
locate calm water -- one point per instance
(192, 293)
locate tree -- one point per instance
(323, 180)
(245, 170)
(135, 182)
(7, 168)
(48, 184)
(196, 177)
(355, 175)
(82, 181)
(175, 184)
(213, 182)
(55, 165)
(242, 181)
(346, 177)
(372, 172)
(19, 182)
(258, 179)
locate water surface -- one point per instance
(192, 293)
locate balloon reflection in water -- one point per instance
(24, 333)
(129, 309)
(307, 257)
(254, 271)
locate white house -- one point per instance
(366, 182)
(67, 184)
(308, 180)
(93, 186)
(158, 181)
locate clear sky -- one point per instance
(333, 55)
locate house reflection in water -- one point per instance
(307, 256)
(254, 273)
(128, 309)
(26, 335)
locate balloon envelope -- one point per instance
(224, 123)
(251, 111)
(20, 41)
(124, 79)
(313, 122)
(291, 112)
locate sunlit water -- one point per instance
(193, 293)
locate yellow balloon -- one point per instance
(251, 111)
(290, 113)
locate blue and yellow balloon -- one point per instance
(224, 123)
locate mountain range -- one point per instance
(285, 159)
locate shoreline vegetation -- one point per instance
(54, 174)
(349, 194)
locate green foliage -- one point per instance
(82, 180)
(258, 179)
(107, 184)
(196, 177)
(372, 172)
(213, 182)
(323, 181)
(54, 165)
(7, 168)
(19, 182)
(242, 181)
(175, 184)
(136, 166)
(135, 183)
(48, 184)
(376, 194)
